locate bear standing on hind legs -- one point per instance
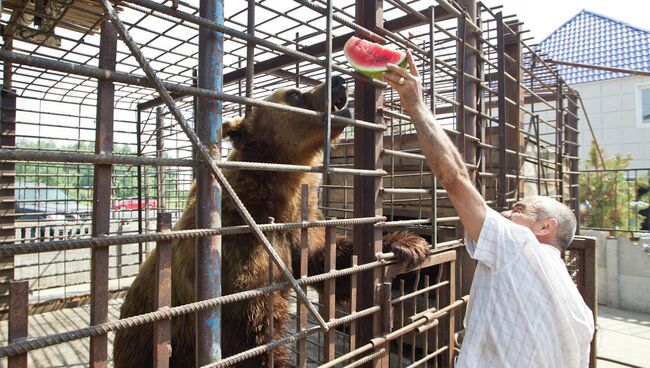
(265, 135)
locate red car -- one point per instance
(132, 204)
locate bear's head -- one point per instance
(271, 135)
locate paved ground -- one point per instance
(623, 336)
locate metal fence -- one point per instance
(111, 122)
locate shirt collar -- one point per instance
(555, 250)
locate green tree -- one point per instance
(609, 197)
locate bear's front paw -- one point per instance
(408, 247)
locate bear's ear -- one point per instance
(233, 129)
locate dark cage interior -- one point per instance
(111, 111)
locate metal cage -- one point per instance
(104, 104)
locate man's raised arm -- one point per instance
(442, 156)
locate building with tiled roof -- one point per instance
(618, 104)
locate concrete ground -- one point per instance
(623, 336)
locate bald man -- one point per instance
(524, 310)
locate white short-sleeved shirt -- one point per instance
(524, 310)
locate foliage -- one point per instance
(77, 179)
(610, 199)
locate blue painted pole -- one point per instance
(208, 126)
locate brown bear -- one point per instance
(264, 135)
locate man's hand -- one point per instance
(410, 91)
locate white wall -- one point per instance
(612, 108)
(623, 272)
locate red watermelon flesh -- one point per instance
(370, 58)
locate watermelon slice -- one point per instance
(370, 58)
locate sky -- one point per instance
(545, 16)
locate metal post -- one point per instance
(469, 122)
(514, 114)
(102, 197)
(7, 74)
(250, 52)
(7, 183)
(162, 329)
(559, 141)
(329, 291)
(327, 116)
(160, 147)
(367, 200)
(140, 182)
(208, 250)
(18, 319)
(503, 132)
(304, 250)
(571, 132)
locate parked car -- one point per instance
(132, 204)
(39, 202)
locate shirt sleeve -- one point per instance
(500, 241)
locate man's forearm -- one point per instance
(443, 157)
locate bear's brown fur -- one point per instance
(265, 135)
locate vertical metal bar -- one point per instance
(298, 61)
(452, 313)
(269, 312)
(250, 52)
(18, 319)
(367, 200)
(460, 88)
(503, 132)
(591, 296)
(7, 183)
(138, 144)
(469, 64)
(514, 115)
(102, 197)
(559, 141)
(426, 307)
(7, 73)
(400, 314)
(539, 154)
(353, 305)
(432, 106)
(304, 249)
(208, 123)
(329, 291)
(414, 311)
(163, 292)
(572, 146)
(160, 170)
(444, 299)
(327, 116)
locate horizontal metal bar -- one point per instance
(119, 77)
(73, 157)
(13, 249)
(599, 67)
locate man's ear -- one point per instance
(234, 128)
(549, 227)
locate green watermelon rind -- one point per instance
(375, 72)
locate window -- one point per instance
(643, 105)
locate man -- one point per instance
(524, 310)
